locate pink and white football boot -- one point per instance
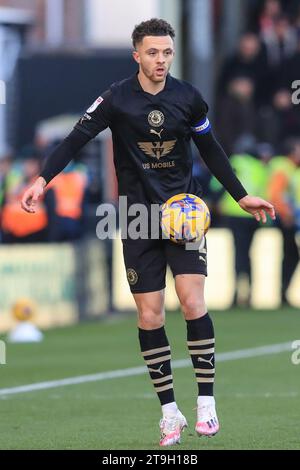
(171, 428)
(207, 420)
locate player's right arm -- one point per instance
(97, 118)
(55, 163)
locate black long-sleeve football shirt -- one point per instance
(151, 139)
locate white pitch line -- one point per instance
(130, 372)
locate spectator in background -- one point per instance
(251, 169)
(290, 69)
(270, 12)
(249, 61)
(282, 171)
(17, 226)
(70, 190)
(280, 41)
(71, 195)
(236, 114)
(279, 121)
(280, 44)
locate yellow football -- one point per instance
(185, 218)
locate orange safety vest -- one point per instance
(69, 190)
(16, 221)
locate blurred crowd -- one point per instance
(257, 120)
(275, 177)
(59, 215)
(254, 87)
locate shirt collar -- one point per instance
(137, 86)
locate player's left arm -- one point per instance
(218, 163)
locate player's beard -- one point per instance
(151, 74)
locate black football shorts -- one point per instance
(146, 262)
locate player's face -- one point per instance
(155, 55)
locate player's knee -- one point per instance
(150, 319)
(193, 308)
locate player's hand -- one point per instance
(257, 207)
(32, 195)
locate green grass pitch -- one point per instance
(257, 397)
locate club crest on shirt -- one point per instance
(157, 149)
(156, 118)
(95, 105)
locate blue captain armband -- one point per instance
(203, 126)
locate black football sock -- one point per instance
(157, 355)
(201, 344)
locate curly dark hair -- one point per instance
(153, 27)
